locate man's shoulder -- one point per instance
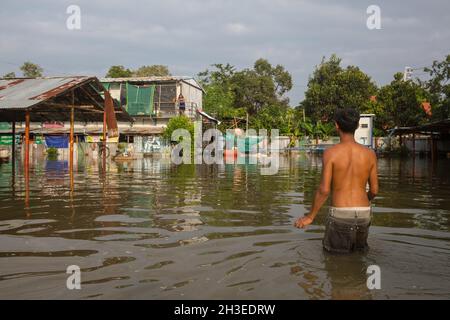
(331, 151)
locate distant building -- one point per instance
(364, 133)
(153, 101)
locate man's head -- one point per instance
(347, 120)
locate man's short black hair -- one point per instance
(347, 119)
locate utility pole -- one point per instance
(407, 75)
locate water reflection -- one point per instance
(151, 229)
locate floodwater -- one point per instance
(152, 230)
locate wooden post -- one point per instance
(13, 146)
(27, 160)
(27, 139)
(72, 118)
(13, 158)
(71, 141)
(104, 139)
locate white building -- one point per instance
(364, 133)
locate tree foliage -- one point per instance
(118, 72)
(31, 70)
(439, 88)
(178, 122)
(332, 86)
(9, 75)
(399, 104)
(258, 91)
(153, 70)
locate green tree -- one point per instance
(274, 117)
(31, 70)
(118, 72)
(262, 86)
(258, 92)
(439, 88)
(401, 103)
(178, 122)
(219, 97)
(152, 70)
(332, 86)
(9, 75)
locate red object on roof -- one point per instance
(426, 106)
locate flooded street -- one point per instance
(152, 230)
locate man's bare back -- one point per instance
(347, 168)
(352, 166)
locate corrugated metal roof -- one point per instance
(24, 93)
(207, 116)
(442, 126)
(185, 79)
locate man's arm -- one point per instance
(373, 179)
(321, 194)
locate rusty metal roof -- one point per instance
(24, 93)
(50, 98)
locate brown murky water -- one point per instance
(152, 230)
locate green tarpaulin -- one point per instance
(140, 100)
(6, 139)
(244, 144)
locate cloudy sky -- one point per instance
(190, 35)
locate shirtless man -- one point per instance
(347, 168)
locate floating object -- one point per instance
(230, 153)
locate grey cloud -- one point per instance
(190, 35)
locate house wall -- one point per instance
(193, 97)
(363, 134)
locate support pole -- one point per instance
(27, 139)
(27, 160)
(414, 145)
(104, 140)
(72, 118)
(71, 139)
(13, 158)
(246, 123)
(13, 147)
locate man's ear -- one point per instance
(337, 126)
